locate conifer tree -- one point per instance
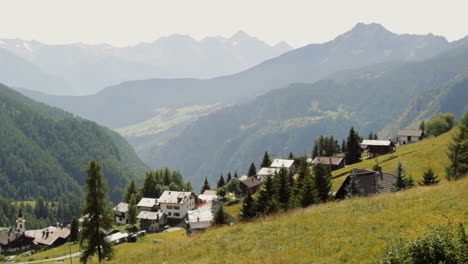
(74, 228)
(422, 126)
(97, 216)
(370, 136)
(429, 178)
(206, 186)
(308, 191)
(236, 175)
(221, 192)
(401, 180)
(284, 190)
(221, 181)
(322, 178)
(130, 190)
(132, 210)
(273, 206)
(188, 186)
(149, 186)
(266, 160)
(375, 136)
(315, 151)
(343, 146)
(353, 148)
(252, 170)
(220, 217)
(353, 188)
(229, 177)
(458, 152)
(233, 186)
(265, 195)
(248, 210)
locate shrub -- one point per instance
(438, 244)
(440, 124)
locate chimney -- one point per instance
(198, 218)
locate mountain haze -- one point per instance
(86, 69)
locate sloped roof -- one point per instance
(116, 236)
(251, 182)
(13, 238)
(173, 197)
(121, 207)
(203, 213)
(268, 171)
(371, 142)
(150, 215)
(40, 235)
(409, 132)
(209, 192)
(282, 163)
(327, 160)
(147, 202)
(207, 197)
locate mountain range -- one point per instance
(76, 69)
(367, 77)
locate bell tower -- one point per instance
(21, 223)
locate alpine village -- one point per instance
(354, 150)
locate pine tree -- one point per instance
(229, 177)
(375, 136)
(220, 217)
(149, 186)
(353, 148)
(206, 186)
(401, 182)
(233, 186)
(343, 146)
(322, 178)
(291, 156)
(132, 210)
(130, 190)
(284, 190)
(252, 170)
(308, 191)
(315, 151)
(422, 126)
(74, 228)
(188, 186)
(429, 178)
(458, 152)
(248, 210)
(370, 136)
(353, 188)
(221, 181)
(97, 216)
(266, 160)
(236, 175)
(266, 194)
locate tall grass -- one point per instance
(351, 231)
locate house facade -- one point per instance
(152, 221)
(176, 204)
(251, 184)
(120, 214)
(335, 163)
(370, 182)
(375, 148)
(408, 136)
(148, 204)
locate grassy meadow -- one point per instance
(357, 230)
(416, 158)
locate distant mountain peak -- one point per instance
(240, 35)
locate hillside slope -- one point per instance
(351, 231)
(45, 151)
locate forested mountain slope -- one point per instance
(288, 120)
(44, 151)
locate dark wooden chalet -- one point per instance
(12, 241)
(334, 162)
(375, 148)
(251, 184)
(371, 182)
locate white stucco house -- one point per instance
(176, 204)
(120, 213)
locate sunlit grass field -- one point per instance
(49, 254)
(351, 231)
(416, 158)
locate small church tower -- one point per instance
(21, 223)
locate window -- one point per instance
(176, 214)
(176, 207)
(169, 214)
(169, 207)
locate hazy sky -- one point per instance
(297, 22)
